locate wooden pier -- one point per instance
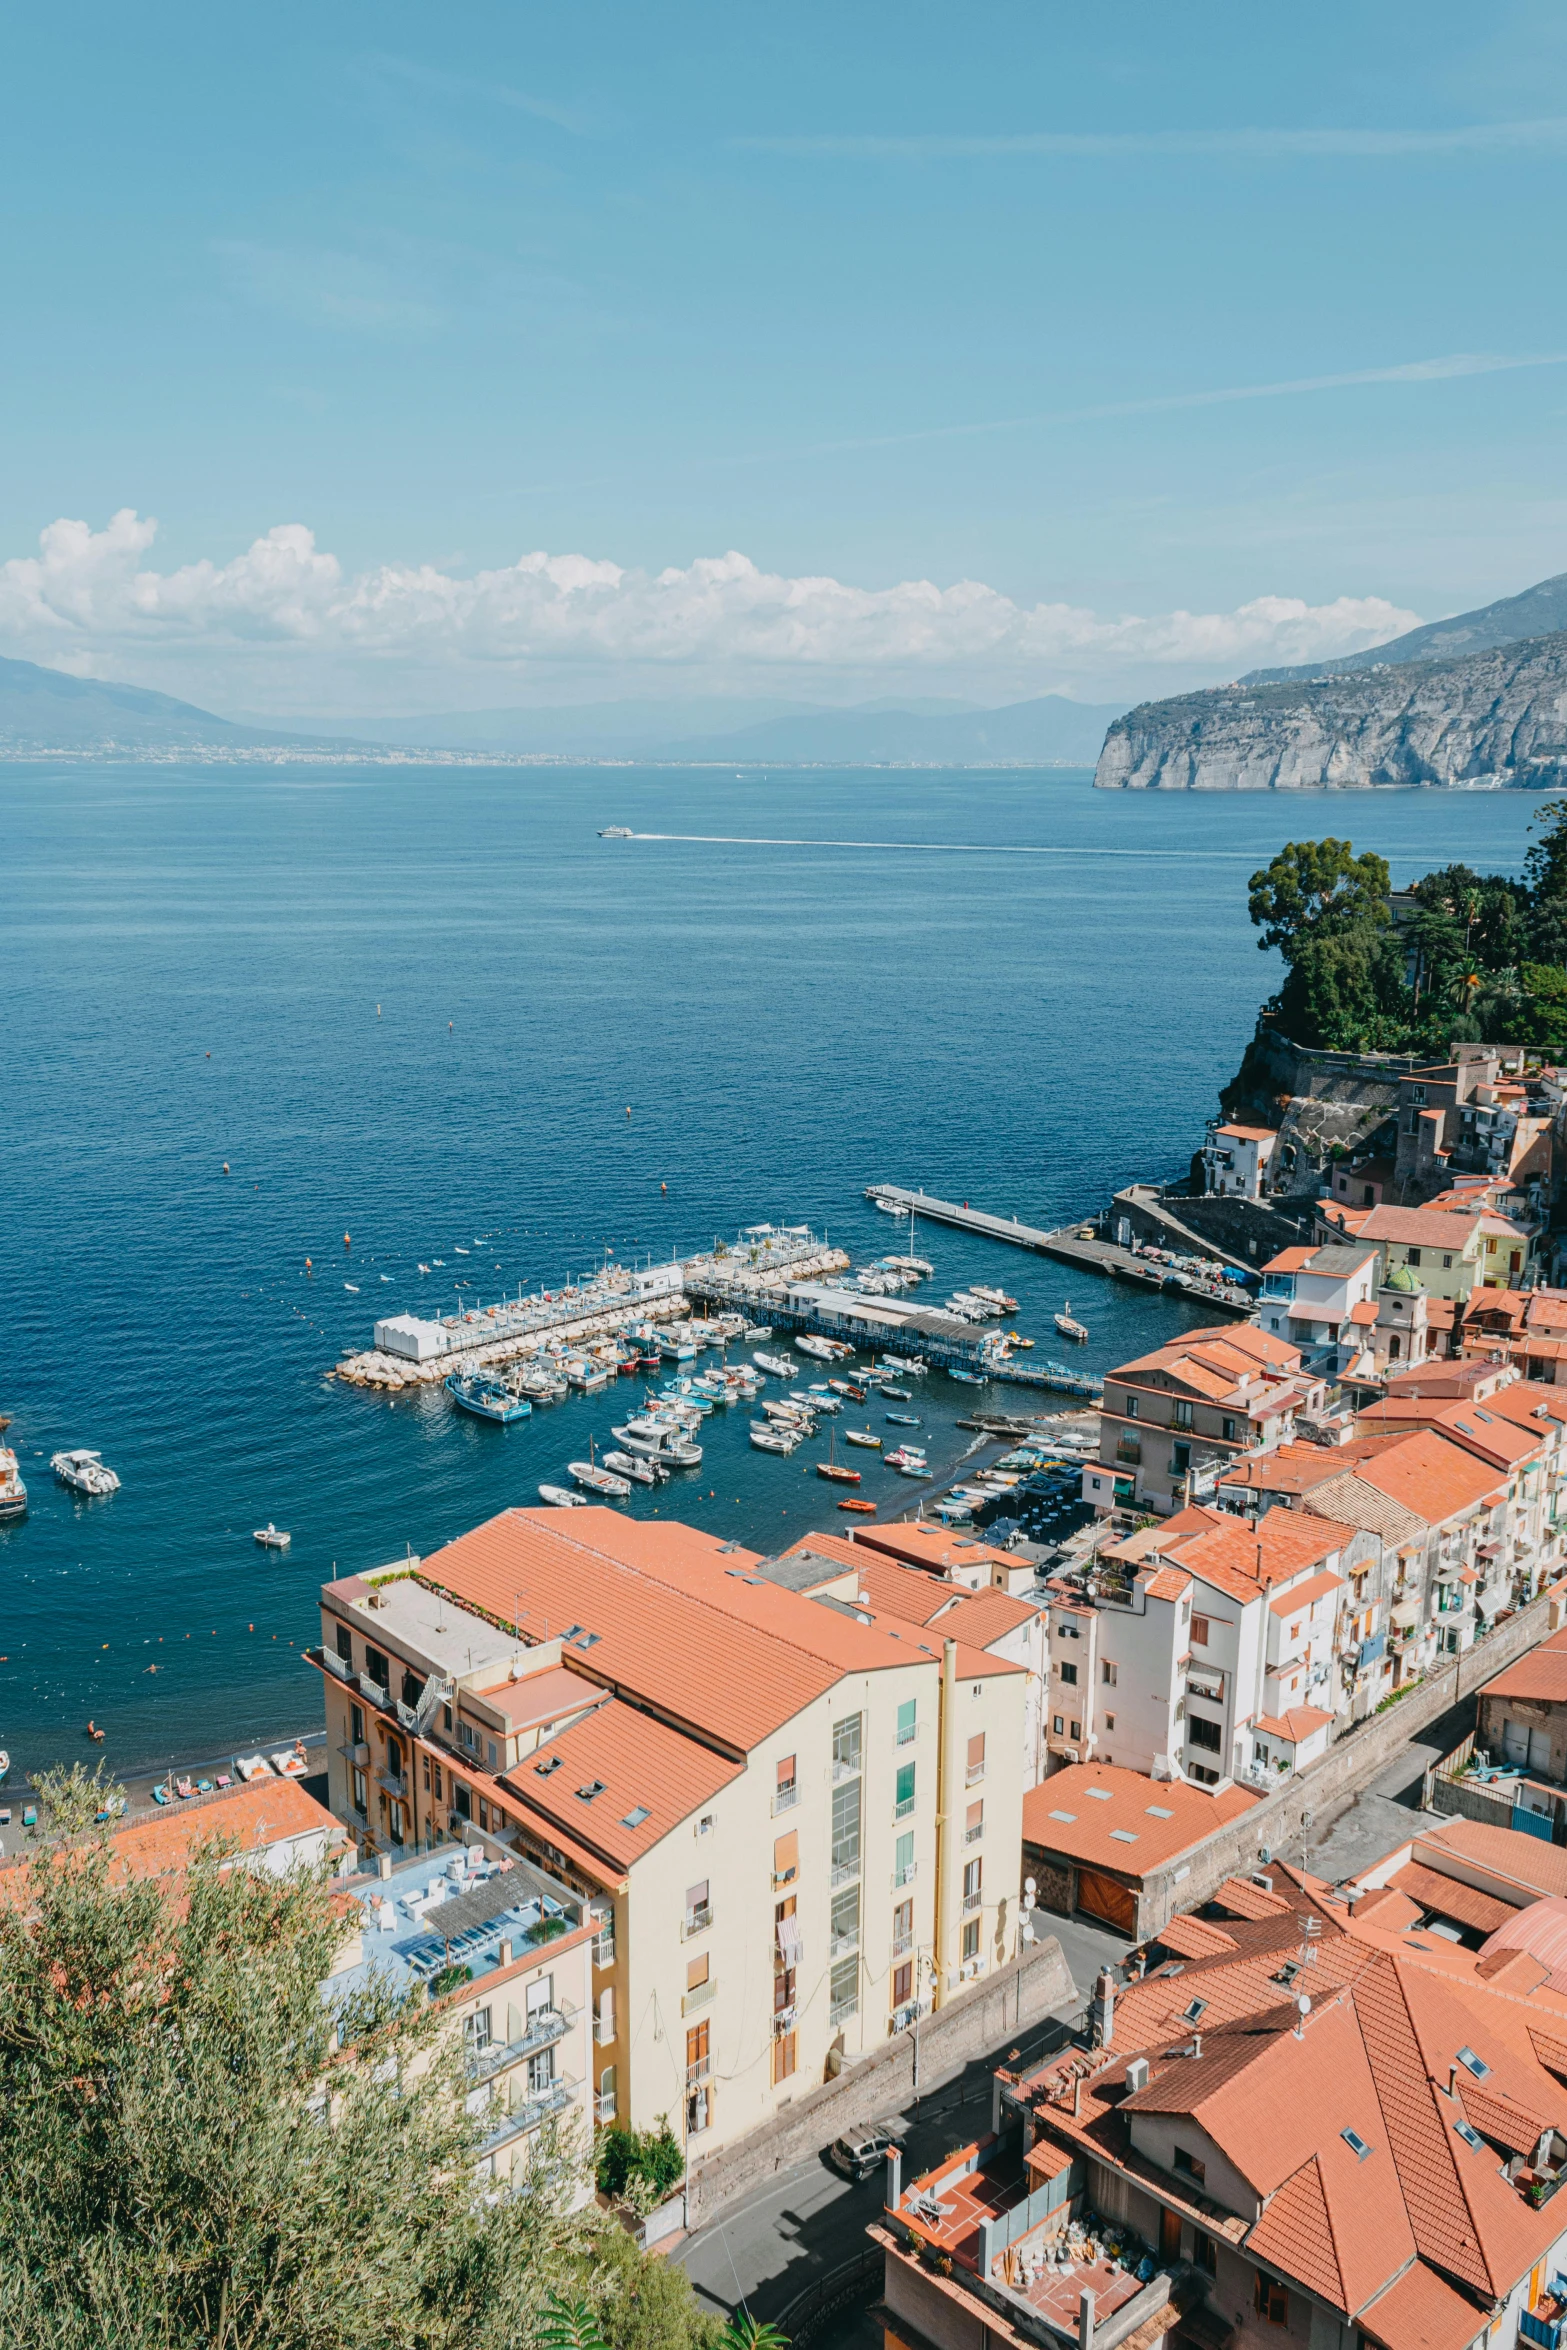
(1065, 1243)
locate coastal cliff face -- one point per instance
(1498, 716)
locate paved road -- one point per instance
(767, 2248)
(1387, 1812)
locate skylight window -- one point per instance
(591, 1792)
(1158, 1811)
(1068, 1816)
(635, 1818)
(1356, 2144)
(1122, 1836)
(1101, 1794)
(587, 1639)
(1470, 2137)
(551, 1763)
(571, 1632)
(1474, 2064)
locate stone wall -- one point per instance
(1332, 1784)
(1243, 1231)
(1028, 1988)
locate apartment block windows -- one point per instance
(1180, 1459)
(376, 1667)
(786, 1858)
(903, 1984)
(845, 1922)
(785, 2056)
(846, 1827)
(1229, 1430)
(462, 1800)
(974, 1824)
(1058, 1726)
(361, 1793)
(345, 1644)
(844, 1991)
(1107, 1673)
(972, 1876)
(971, 1939)
(607, 2105)
(1068, 1674)
(1181, 1417)
(699, 1973)
(786, 1787)
(1109, 1725)
(1131, 1407)
(1273, 2302)
(356, 1725)
(908, 1721)
(699, 1907)
(1413, 1257)
(1188, 2165)
(846, 1747)
(1200, 1631)
(903, 1792)
(903, 1860)
(976, 1759)
(699, 2062)
(1205, 1734)
(541, 2072)
(1077, 1729)
(903, 1929)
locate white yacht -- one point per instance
(824, 1350)
(13, 1493)
(779, 1365)
(84, 1472)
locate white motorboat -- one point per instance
(13, 1493)
(656, 1440)
(908, 1461)
(755, 1332)
(616, 832)
(560, 1498)
(1068, 1325)
(84, 1472)
(831, 1404)
(629, 1464)
(995, 1297)
(597, 1480)
(779, 1365)
(271, 1537)
(824, 1350)
(768, 1439)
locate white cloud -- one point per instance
(88, 601)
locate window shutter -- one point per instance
(786, 1858)
(976, 1752)
(696, 1895)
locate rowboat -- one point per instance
(865, 1509)
(839, 1476)
(872, 1443)
(271, 1537)
(598, 1480)
(560, 1498)
(1068, 1325)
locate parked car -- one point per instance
(859, 2152)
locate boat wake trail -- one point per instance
(937, 848)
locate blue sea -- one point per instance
(423, 1009)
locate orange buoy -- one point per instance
(347, 1243)
(663, 1187)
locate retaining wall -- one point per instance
(1028, 1988)
(1348, 1767)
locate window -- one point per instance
(490, 1751)
(706, 1824)
(786, 1791)
(1058, 1725)
(903, 1859)
(1107, 1673)
(476, 2031)
(1183, 1413)
(846, 1826)
(1109, 1725)
(903, 1792)
(462, 1800)
(412, 1686)
(699, 1907)
(902, 1984)
(425, 1760)
(844, 1990)
(786, 1858)
(356, 1725)
(784, 2056)
(1180, 1459)
(1447, 1264)
(437, 1777)
(699, 1971)
(376, 1667)
(974, 1824)
(976, 1758)
(902, 1928)
(541, 2072)
(699, 2061)
(606, 2112)
(361, 1795)
(1413, 1257)
(846, 1747)
(1068, 1674)
(1205, 2252)
(1201, 1773)
(972, 1879)
(1199, 1631)
(1131, 1407)
(1273, 2302)
(345, 1644)
(845, 1921)
(1228, 1430)
(971, 1939)
(908, 1721)
(1189, 2166)
(1077, 1729)
(1208, 1734)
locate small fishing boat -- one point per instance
(864, 1509)
(902, 1419)
(1017, 1339)
(969, 1378)
(461, 1252)
(909, 1461)
(589, 1377)
(823, 1349)
(1068, 1325)
(865, 1436)
(84, 1472)
(994, 1297)
(770, 1439)
(560, 1498)
(779, 1365)
(271, 1537)
(598, 1480)
(855, 1394)
(839, 1476)
(13, 1493)
(755, 1332)
(896, 1394)
(487, 1397)
(629, 1464)
(353, 1285)
(830, 1404)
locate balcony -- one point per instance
(902, 1944)
(905, 1875)
(335, 1664)
(604, 1948)
(972, 1901)
(842, 1770)
(973, 1775)
(702, 2070)
(784, 2020)
(973, 1835)
(604, 2027)
(844, 1945)
(905, 1809)
(841, 2009)
(786, 1798)
(604, 2108)
(544, 2029)
(1129, 1454)
(528, 2115)
(394, 1784)
(702, 1996)
(697, 1921)
(372, 1692)
(906, 1737)
(845, 1872)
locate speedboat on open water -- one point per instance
(84, 1472)
(13, 1493)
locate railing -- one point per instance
(604, 2106)
(906, 1737)
(844, 1945)
(604, 1948)
(845, 1770)
(786, 1799)
(697, 1921)
(337, 1664)
(698, 1997)
(842, 2008)
(604, 2027)
(700, 2071)
(373, 1693)
(905, 1809)
(902, 1944)
(972, 1901)
(973, 1775)
(549, 2025)
(393, 1783)
(528, 2116)
(904, 1876)
(973, 1835)
(844, 1872)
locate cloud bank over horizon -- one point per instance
(284, 625)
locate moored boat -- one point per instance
(779, 1365)
(84, 1472)
(838, 1474)
(13, 1493)
(486, 1397)
(271, 1537)
(1068, 1325)
(559, 1497)
(597, 1480)
(864, 1509)
(865, 1436)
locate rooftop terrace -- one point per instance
(451, 1907)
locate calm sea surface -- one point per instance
(413, 1006)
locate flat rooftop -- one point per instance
(451, 1906)
(437, 1627)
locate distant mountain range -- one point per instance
(1477, 700)
(44, 710)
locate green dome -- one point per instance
(1402, 1278)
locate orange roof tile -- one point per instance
(1446, 1897)
(1540, 1675)
(637, 1762)
(1426, 1473)
(1295, 1726)
(1419, 2312)
(930, 1547)
(1192, 1937)
(1421, 1228)
(1243, 1900)
(1114, 1818)
(977, 1618)
(1302, 1596)
(1168, 1583)
(1535, 1867)
(266, 1812)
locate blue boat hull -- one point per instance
(489, 1406)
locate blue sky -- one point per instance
(871, 298)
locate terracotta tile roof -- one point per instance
(1492, 1437)
(1424, 1472)
(1364, 1313)
(1249, 1133)
(541, 1697)
(1538, 1931)
(1419, 2312)
(1540, 1675)
(1297, 1724)
(974, 1617)
(1242, 1900)
(1447, 1898)
(263, 1813)
(1289, 1260)
(1243, 1558)
(1195, 1938)
(1168, 1583)
(931, 1547)
(1295, 2233)
(1387, 1907)
(1421, 1228)
(1535, 1867)
(1301, 1596)
(1119, 1820)
(640, 1763)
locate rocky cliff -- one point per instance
(1494, 717)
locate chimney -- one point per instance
(1085, 2321)
(505, 1954)
(894, 2177)
(1101, 2011)
(384, 1864)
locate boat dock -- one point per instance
(1070, 1244)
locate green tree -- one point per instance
(1328, 913)
(1545, 866)
(650, 2160)
(1314, 887)
(205, 2143)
